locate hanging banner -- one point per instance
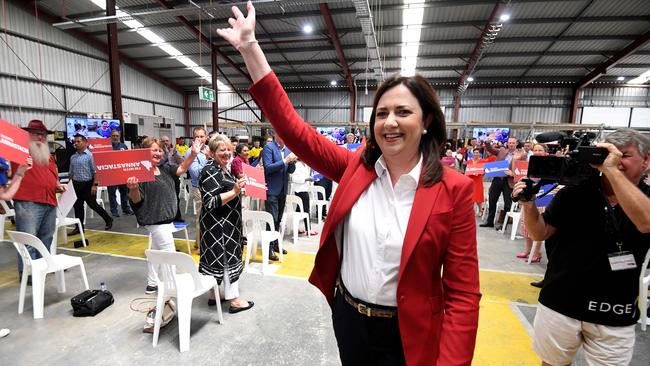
(496, 169)
(115, 167)
(100, 144)
(520, 169)
(255, 184)
(14, 143)
(475, 169)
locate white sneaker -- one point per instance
(4, 332)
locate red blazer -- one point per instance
(438, 283)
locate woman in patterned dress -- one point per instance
(221, 224)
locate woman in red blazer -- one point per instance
(397, 260)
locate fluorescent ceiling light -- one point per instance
(333, 82)
(412, 20)
(160, 43)
(641, 79)
(470, 79)
(307, 29)
(504, 17)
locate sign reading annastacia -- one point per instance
(115, 167)
(255, 185)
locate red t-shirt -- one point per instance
(39, 184)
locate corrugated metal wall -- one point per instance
(75, 77)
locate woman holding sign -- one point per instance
(221, 224)
(397, 261)
(155, 204)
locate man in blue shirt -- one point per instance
(278, 162)
(84, 180)
(195, 170)
(124, 192)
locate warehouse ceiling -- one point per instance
(462, 43)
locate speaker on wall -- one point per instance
(130, 132)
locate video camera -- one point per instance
(571, 169)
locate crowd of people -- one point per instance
(397, 262)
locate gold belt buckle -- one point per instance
(361, 308)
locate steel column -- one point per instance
(574, 106)
(186, 112)
(334, 38)
(114, 67)
(456, 107)
(215, 105)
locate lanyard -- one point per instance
(611, 222)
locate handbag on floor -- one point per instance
(169, 311)
(91, 302)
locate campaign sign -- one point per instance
(544, 201)
(14, 143)
(115, 167)
(255, 185)
(520, 169)
(353, 147)
(496, 169)
(100, 144)
(475, 169)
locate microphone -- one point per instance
(546, 137)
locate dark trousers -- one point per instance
(83, 191)
(124, 198)
(327, 184)
(275, 206)
(365, 340)
(304, 196)
(177, 186)
(498, 187)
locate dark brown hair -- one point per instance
(430, 143)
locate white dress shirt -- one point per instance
(374, 235)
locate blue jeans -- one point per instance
(38, 219)
(124, 198)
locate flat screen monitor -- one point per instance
(90, 127)
(482, 133)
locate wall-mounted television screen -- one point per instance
(90, 127)
(500, 134)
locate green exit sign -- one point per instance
(206, 94)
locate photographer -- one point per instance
(602, 233)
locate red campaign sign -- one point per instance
(475, 169)
(14, 143)
(115, 167)
(255, 185)
(100, 144)
(520, 169)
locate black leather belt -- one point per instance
(366, 309)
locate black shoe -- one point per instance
(212, 302)
(109, 225)
(115, 214)
(273, 257)
(486, 225)
(537, 284)
(233, 310)
(498, 228)
(150, 289)
(276, 249)
(75, 231)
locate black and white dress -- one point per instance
(221, 225)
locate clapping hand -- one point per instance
(196, 146)
(239, 184)
(23, 168)
(242, 31)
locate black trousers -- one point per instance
(83, 191)
(327, 184)
(498, 187)
(366, 340)
(304, 196)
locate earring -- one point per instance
(424, 132)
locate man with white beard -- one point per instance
(35, 202)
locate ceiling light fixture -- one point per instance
(470, 79)
(307, 29)
(333, 83)
(504, 17)
(412, 16)
(620, 78)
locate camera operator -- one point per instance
(602, 232)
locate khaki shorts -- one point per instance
(557, 339)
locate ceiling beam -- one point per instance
(613, 61)
(95, 43)
(205, 39)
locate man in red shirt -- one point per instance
(35, 202)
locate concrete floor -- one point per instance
(289, 325)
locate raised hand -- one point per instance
(196, 146)
(132, 183)
(242, 29)
(23, 168)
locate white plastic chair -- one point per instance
(39, 268)
(64, 222)
(9, 212)
(644, 282)
(255, 224)
(179, 276)
(183, 192)
(515, 213)
(296, 216)
(315, 194)
(179, 226)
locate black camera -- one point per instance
(571, 169)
